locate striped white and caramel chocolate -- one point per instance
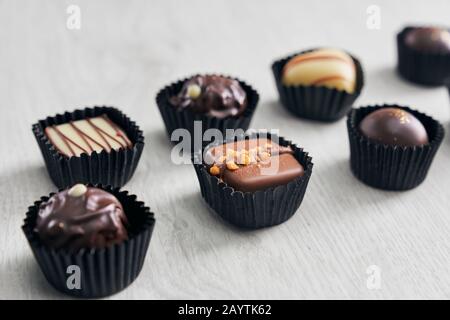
(331, 68)
(86, 136)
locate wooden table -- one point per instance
(126, 51)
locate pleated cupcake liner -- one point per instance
(318, 103)
(253, 210)
(109, 168)
(424, 68)
(447, 84)
(103, 271)
(391, 167)
(184, 118)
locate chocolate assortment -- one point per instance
(253, 180)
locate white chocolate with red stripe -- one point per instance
(331, 68)
(86, 136)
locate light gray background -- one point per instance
(127, 50)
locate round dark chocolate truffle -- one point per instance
(394, 126)
(213, 95)
(430, 39)
(81, 217)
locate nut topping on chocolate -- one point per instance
(77, 190)
(240, 164)
(213, 95)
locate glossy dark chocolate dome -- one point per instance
(394, 126)
(81, 217)
(430, 39)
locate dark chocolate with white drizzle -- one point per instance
(81, 217)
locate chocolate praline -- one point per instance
(213, 95)
(429, 39)
(81, 217)
(86, 136)
(395, 127)
(253, 164)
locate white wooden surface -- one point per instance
(127, 50)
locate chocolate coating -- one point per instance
(93, 219)
(218, 96)
(259, 172)
(327, 67)
(394, 126)
(429, 39)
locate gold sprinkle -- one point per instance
(232, 166)
(231, 152)
(244, 159)
(401, 115)
(222, 159)
(214, 170)
(253, 155)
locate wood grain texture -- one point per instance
(127, 50)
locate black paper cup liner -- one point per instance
(316, 102)
(253, 210)
(424, 68)
(447, 84)
(113, 168)
(391, 167)
(103, 271)
(174, 118)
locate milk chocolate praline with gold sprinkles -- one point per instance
(241, 164)
(254, 180)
